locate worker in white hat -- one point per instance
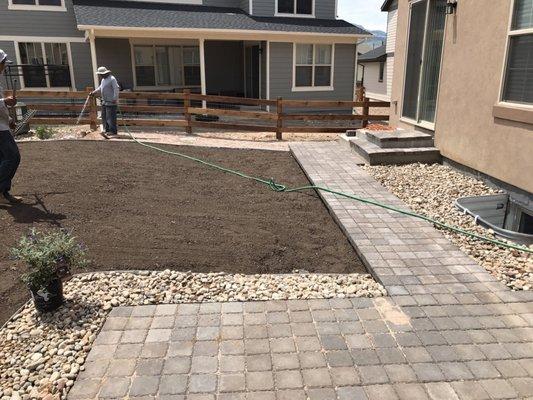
(9, 152)
(108, 91)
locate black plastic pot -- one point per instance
(50, 299)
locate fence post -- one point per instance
(366, 111)
(186, 105)
(279, 126)
(93, 110)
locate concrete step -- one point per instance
(375, 155)
(399, 139)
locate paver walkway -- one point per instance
(448, 330)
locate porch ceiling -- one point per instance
(115, 15)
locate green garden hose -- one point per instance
(283, 189)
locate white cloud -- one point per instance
(366, 13)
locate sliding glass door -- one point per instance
(426, 33)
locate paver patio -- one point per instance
(448, 330)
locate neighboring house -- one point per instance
(373, 73)
(253, 48)
(463, 71)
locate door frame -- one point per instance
(417, 121)
(247, 46)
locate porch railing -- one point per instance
(189, 110)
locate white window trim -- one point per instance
(36, 7)
(42, 42)
(511, 33)
(295, 15)
(329, 88)
(160, 87)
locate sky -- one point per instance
(363, 12)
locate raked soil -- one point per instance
(139, 209)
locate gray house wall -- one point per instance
(324, 9)
(83, 70)
(281, 60)
(224, 67)
(38, 23)
(115, 54)
(222, 3)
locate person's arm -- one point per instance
(116, 90)
(97, 91)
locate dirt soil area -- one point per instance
(139, 209)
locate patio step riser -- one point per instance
(395, 142)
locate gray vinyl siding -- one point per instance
(115, 54)
(38, 23)
(83, 70)
(245, 5)
(227, 76)
(324, 9)
(9, 48)
(222, 3)
(281, 60)
(264, 8)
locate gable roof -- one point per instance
(378, 54)
(113, 13)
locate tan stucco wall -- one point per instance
(473, 58)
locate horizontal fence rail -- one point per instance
(191, 110)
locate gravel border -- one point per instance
(41, 355)
(432, 190)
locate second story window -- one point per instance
(38, 5)
(295, 7)
(518, 85)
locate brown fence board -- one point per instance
(235, 113)
(28, 94)
(154, 109)
(58, 121)
(317, 129)
(238, 127)
(152, 95)
(54, 107)
(152, 122)
(234, 100)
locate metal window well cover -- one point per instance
(490, 211)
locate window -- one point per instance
(44, 65)
(381, 71)
(167, 65)
(43, 5)
(313, 66)
(296, 7)
(518, 84)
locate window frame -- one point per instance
(42, 42)
(36, 7)
(153, 46)
(295, 14)
(510, 34)
(313, 88)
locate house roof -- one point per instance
(386, 5)
(378, 54)
(114, 13)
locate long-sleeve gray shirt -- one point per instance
(4, 113)
(108, 91)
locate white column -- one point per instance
(93, 57)
(202, 70)
(268, 73)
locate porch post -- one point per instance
(268, 72)
(202, 70)
(93, 57)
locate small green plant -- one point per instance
(49, 256)
(43, 132)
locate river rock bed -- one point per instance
(41, 355)
(431, 190)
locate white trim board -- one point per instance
(46, 39)
(221, 34)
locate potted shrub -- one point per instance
(49, 256)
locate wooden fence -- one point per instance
(274, 115)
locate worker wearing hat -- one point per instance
(108, 92)
(9, 152)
